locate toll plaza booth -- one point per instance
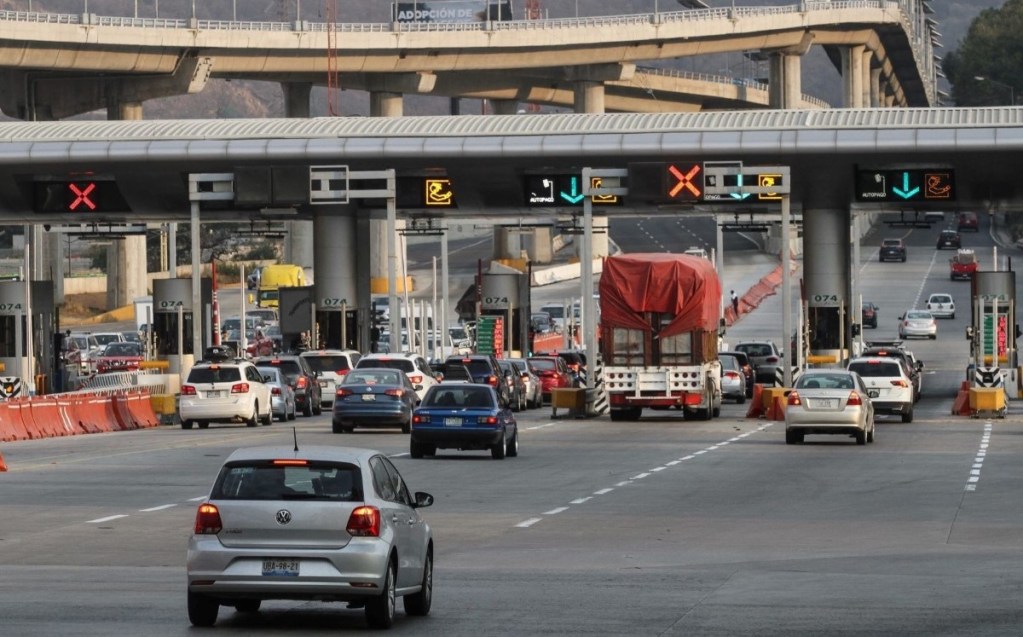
(337, 323)
(506, 295)
(174, 322)
(298, 318)
(993, 331)
(23, 369)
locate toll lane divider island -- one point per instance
(73, 414)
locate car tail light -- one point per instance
(417, 379)
(418, 419)
(341, 372)
(342, 392)
(276, 391)
(900, 383)
(794, 399)
(487, 420)
(291, 462)
(187, 390)
(492, 380)
(301, 383)
(207, 520)
(771, 359)
(547, 373)
(731, 374)
(395, 392)
(364, 522)
(854, 399)
(240, 388)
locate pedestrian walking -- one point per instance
(735, 303)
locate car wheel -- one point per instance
(318, 407)
(204, 425)
(268, 418)
(186, 424)
(247, 606)
(294, 412)
(202, 611)
(308, 411)
(512, 449)
(254, 420)
(953, 316)
(870, 434)
(337, 428)
(741, 399)
(406, 427)
(933, 337)
(380, 609)
(498, 451)
(907, 416)
(418, 604)
(415, 450)
(793, 437)
(861, 437)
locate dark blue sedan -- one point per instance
(374, 398)
(463, 417)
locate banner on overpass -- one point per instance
(452, 11)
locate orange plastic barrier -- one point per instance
(777, 409)
(47, 419)
(756, 407)
(961, 406)
(88, 413)
(548, 343)
(3, 465)
(11, 426)
(122, 413)
(141, 410)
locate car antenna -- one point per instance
(294, 431)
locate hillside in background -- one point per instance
(224, 99)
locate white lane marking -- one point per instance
(202, 497)
(581, 500)
(656, 469)
(978, 460)
(159, 508)
(550, 424)
(107, 519)
(721, 444)
(710, 448)
(975, 472)
(743, 435)
(604, 491)
(978, 465)
(974, 479)
(639, 477)
(672, 463)
(528, 523)
(702, 451)
(398, 455)
(555, 511)
(687, 458)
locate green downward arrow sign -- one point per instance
(575, 196)
(905, 192)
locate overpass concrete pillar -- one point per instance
(539, 245)
(298, 243)
(852, 76)
(126, 258)
(867, 84)
(589, 97)
(385, 104)
(336, 266)
(507, 243)
(504, 107)
(826, 250)
(875, 88)
(784, 84)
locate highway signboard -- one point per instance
(905, 185)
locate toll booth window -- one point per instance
(825, 328)
(627, 346)
(8, 346)
(165, 328)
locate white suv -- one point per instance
(331, 365)
(888, 385)
(941, 305)
(224, 392)
(414, 366)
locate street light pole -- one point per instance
(1012, 92)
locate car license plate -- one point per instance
(828, 403)
(452, 422)
(873, 393)
(323, 383)
(369, 396)
(280, 568)
(213, 394)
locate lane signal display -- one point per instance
(80, 196)
(905, 185)
(665, 182)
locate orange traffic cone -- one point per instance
(756, 406)
(3, 465)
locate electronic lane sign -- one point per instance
(563, 191)
(666, 182)
(79, 196)
(908, 185)
(734, 183)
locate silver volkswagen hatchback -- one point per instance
(324, 523)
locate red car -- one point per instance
(968, 221)
(553, 373)
(259, 344)
(119, 357)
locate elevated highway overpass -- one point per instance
(57, 65)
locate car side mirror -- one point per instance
(423, 499)
(919, 365)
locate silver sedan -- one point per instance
(829, 401)
(324, 523)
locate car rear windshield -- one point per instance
(328, 363)
(459, 396)
(476, 366)
(401, 364)
(753, 349)
(543, 364)
(264, 480)
(876, 369)
(290, 369)
(373, 376)
(456, 372)
(941, 298)
(214, 375)
(892, 243)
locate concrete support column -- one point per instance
(363, 261)
(507, 243)
(296, 99)
(865, 71)
(504, 107)
(826, 251)
(126, 258)
(852, 76)
(336, 264)
(589, 97)
(875, 88)
(298, 243)
(539, 245)
(784, 84)
(384, 104)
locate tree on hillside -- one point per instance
(986, 68)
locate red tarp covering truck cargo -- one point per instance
(659, 328)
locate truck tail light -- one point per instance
(207, 520)
(240, 388)
(364, 522)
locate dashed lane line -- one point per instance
(157, 508)
(106, 519)
(978, 460)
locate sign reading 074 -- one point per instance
(80, 196)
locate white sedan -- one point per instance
(918, 323)
(829, 401)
